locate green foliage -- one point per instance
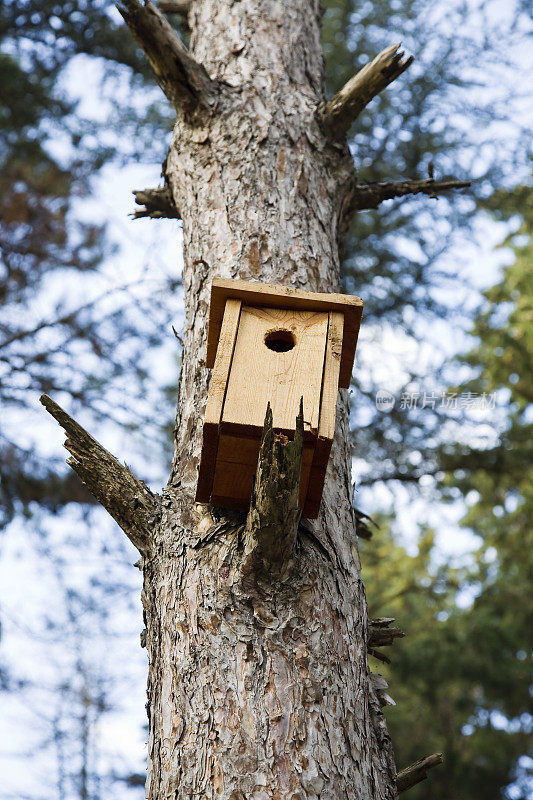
(462, 677)
(454, 670)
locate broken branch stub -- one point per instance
(129, 501)
(174, 6)
(344, 108)
(185, 82)
(155, 203)
(417, 772)
(272, 522)
(380, 634)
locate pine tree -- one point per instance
(258, 680)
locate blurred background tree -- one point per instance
(67, 325)
(71, 324)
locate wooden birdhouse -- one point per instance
(272, 344)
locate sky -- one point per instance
(69, 595)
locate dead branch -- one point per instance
(364, 196)
(129, 501)
(417, 772)
(174, 6)
(380, 687)
(184, 81)
(344, 108)
(370, 195)
(362, 526)
(272, 521)
(155, 203)
(381, 635)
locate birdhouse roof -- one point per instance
(271, 296)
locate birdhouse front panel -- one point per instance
(278, 358)
(272, 344)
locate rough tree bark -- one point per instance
(265, 693)
(258, 681)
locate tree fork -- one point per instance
(129, 501)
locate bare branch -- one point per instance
(156, 203)
(183, 80)
(344, 108)
(417, 772)
(369, 195)
(362, 526)
(129, 501)
(272, 522)
(174, 6)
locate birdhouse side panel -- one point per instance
(330, 387)
(215, 399)
(278, 358)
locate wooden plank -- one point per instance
(260, 375)
(317, 476)
(233, 481)
(328, 405)
(330, 387)
(215, 399)
(270, 296)
(238, 449)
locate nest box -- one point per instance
(272, 344)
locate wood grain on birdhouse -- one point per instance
(272, 344)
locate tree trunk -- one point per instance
(258, 681)
(257, 690)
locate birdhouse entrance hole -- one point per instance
(280, 341)
(272, 344)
